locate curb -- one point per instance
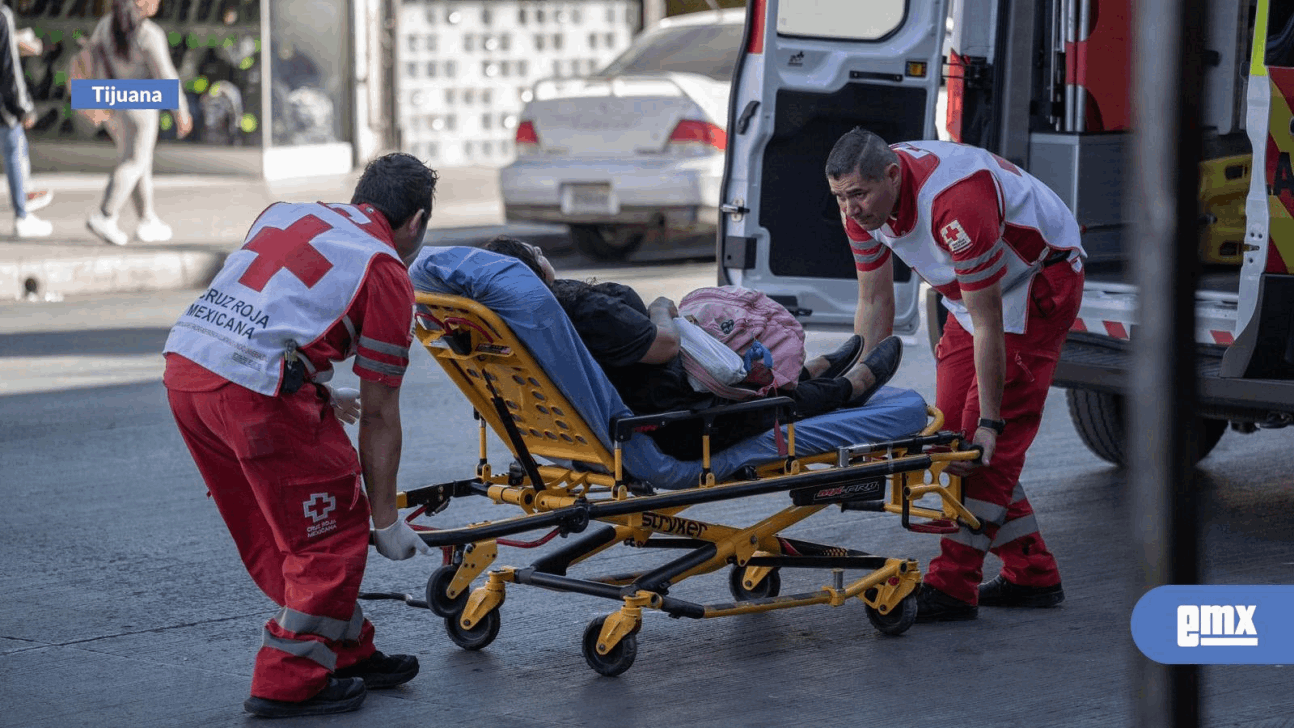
(109, 273)
(137, 270)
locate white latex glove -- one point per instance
(399, 541)
(345, 402)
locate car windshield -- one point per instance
(709, 50)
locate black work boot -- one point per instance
(382, 671)
(1001, 593)
(839, 361)
(339, 696)
(935, 606)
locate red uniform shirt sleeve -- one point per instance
(383, 318)
(868, 253)
(967, 222)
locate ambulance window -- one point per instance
(840, 18)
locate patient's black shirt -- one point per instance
(612, 320)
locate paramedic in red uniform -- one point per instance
(246, 364)
(1004, 251)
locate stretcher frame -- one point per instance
(511, 394)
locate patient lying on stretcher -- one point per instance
(637, 347)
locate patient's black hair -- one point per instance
(505, 245)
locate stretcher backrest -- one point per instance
(489, 364)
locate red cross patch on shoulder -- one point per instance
(955, 237)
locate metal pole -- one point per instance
(1070, 20)
(1081, 33)
(1163, 209)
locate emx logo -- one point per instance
(1215, 625)
(1212, 625)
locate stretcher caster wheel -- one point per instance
(620, 658)
(770, 586)
(437, 599)
(479, 636)
(899, 618)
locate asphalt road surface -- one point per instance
(125, 603)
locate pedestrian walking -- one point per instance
(133, 46)
(17, 115)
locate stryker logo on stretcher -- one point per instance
(1227, 626)
(670, 524)
(133, 93)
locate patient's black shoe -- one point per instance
(839, 361)
(883, 361)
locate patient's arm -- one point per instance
(665, 346)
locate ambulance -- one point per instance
(1046, 86)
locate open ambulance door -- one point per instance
(811, 70)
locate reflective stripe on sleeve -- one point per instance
(379, 367)
(869, 258)
(966, 266)
(983, 275)
(381, 347)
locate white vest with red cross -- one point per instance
(1040, 224)
(296, 275)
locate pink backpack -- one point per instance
(740, 317)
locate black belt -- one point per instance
(1058, 256)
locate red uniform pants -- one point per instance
(993, 493)
(287, 482)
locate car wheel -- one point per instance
(606, 242)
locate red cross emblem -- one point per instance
(289, 248)
(955, 236)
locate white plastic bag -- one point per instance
(720, 362)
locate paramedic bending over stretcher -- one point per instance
(1005, 253)
(638, 348)
(314, 284)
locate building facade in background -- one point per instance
(276, 98)
(464, 68)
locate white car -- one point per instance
(637, 149)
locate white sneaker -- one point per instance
(32, 227)
(106, 228)
(38, 199)
(153, 231)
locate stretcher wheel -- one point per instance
(477, 637)
(437, 599)
(620, 658)
(899, 618)
(771, 585)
